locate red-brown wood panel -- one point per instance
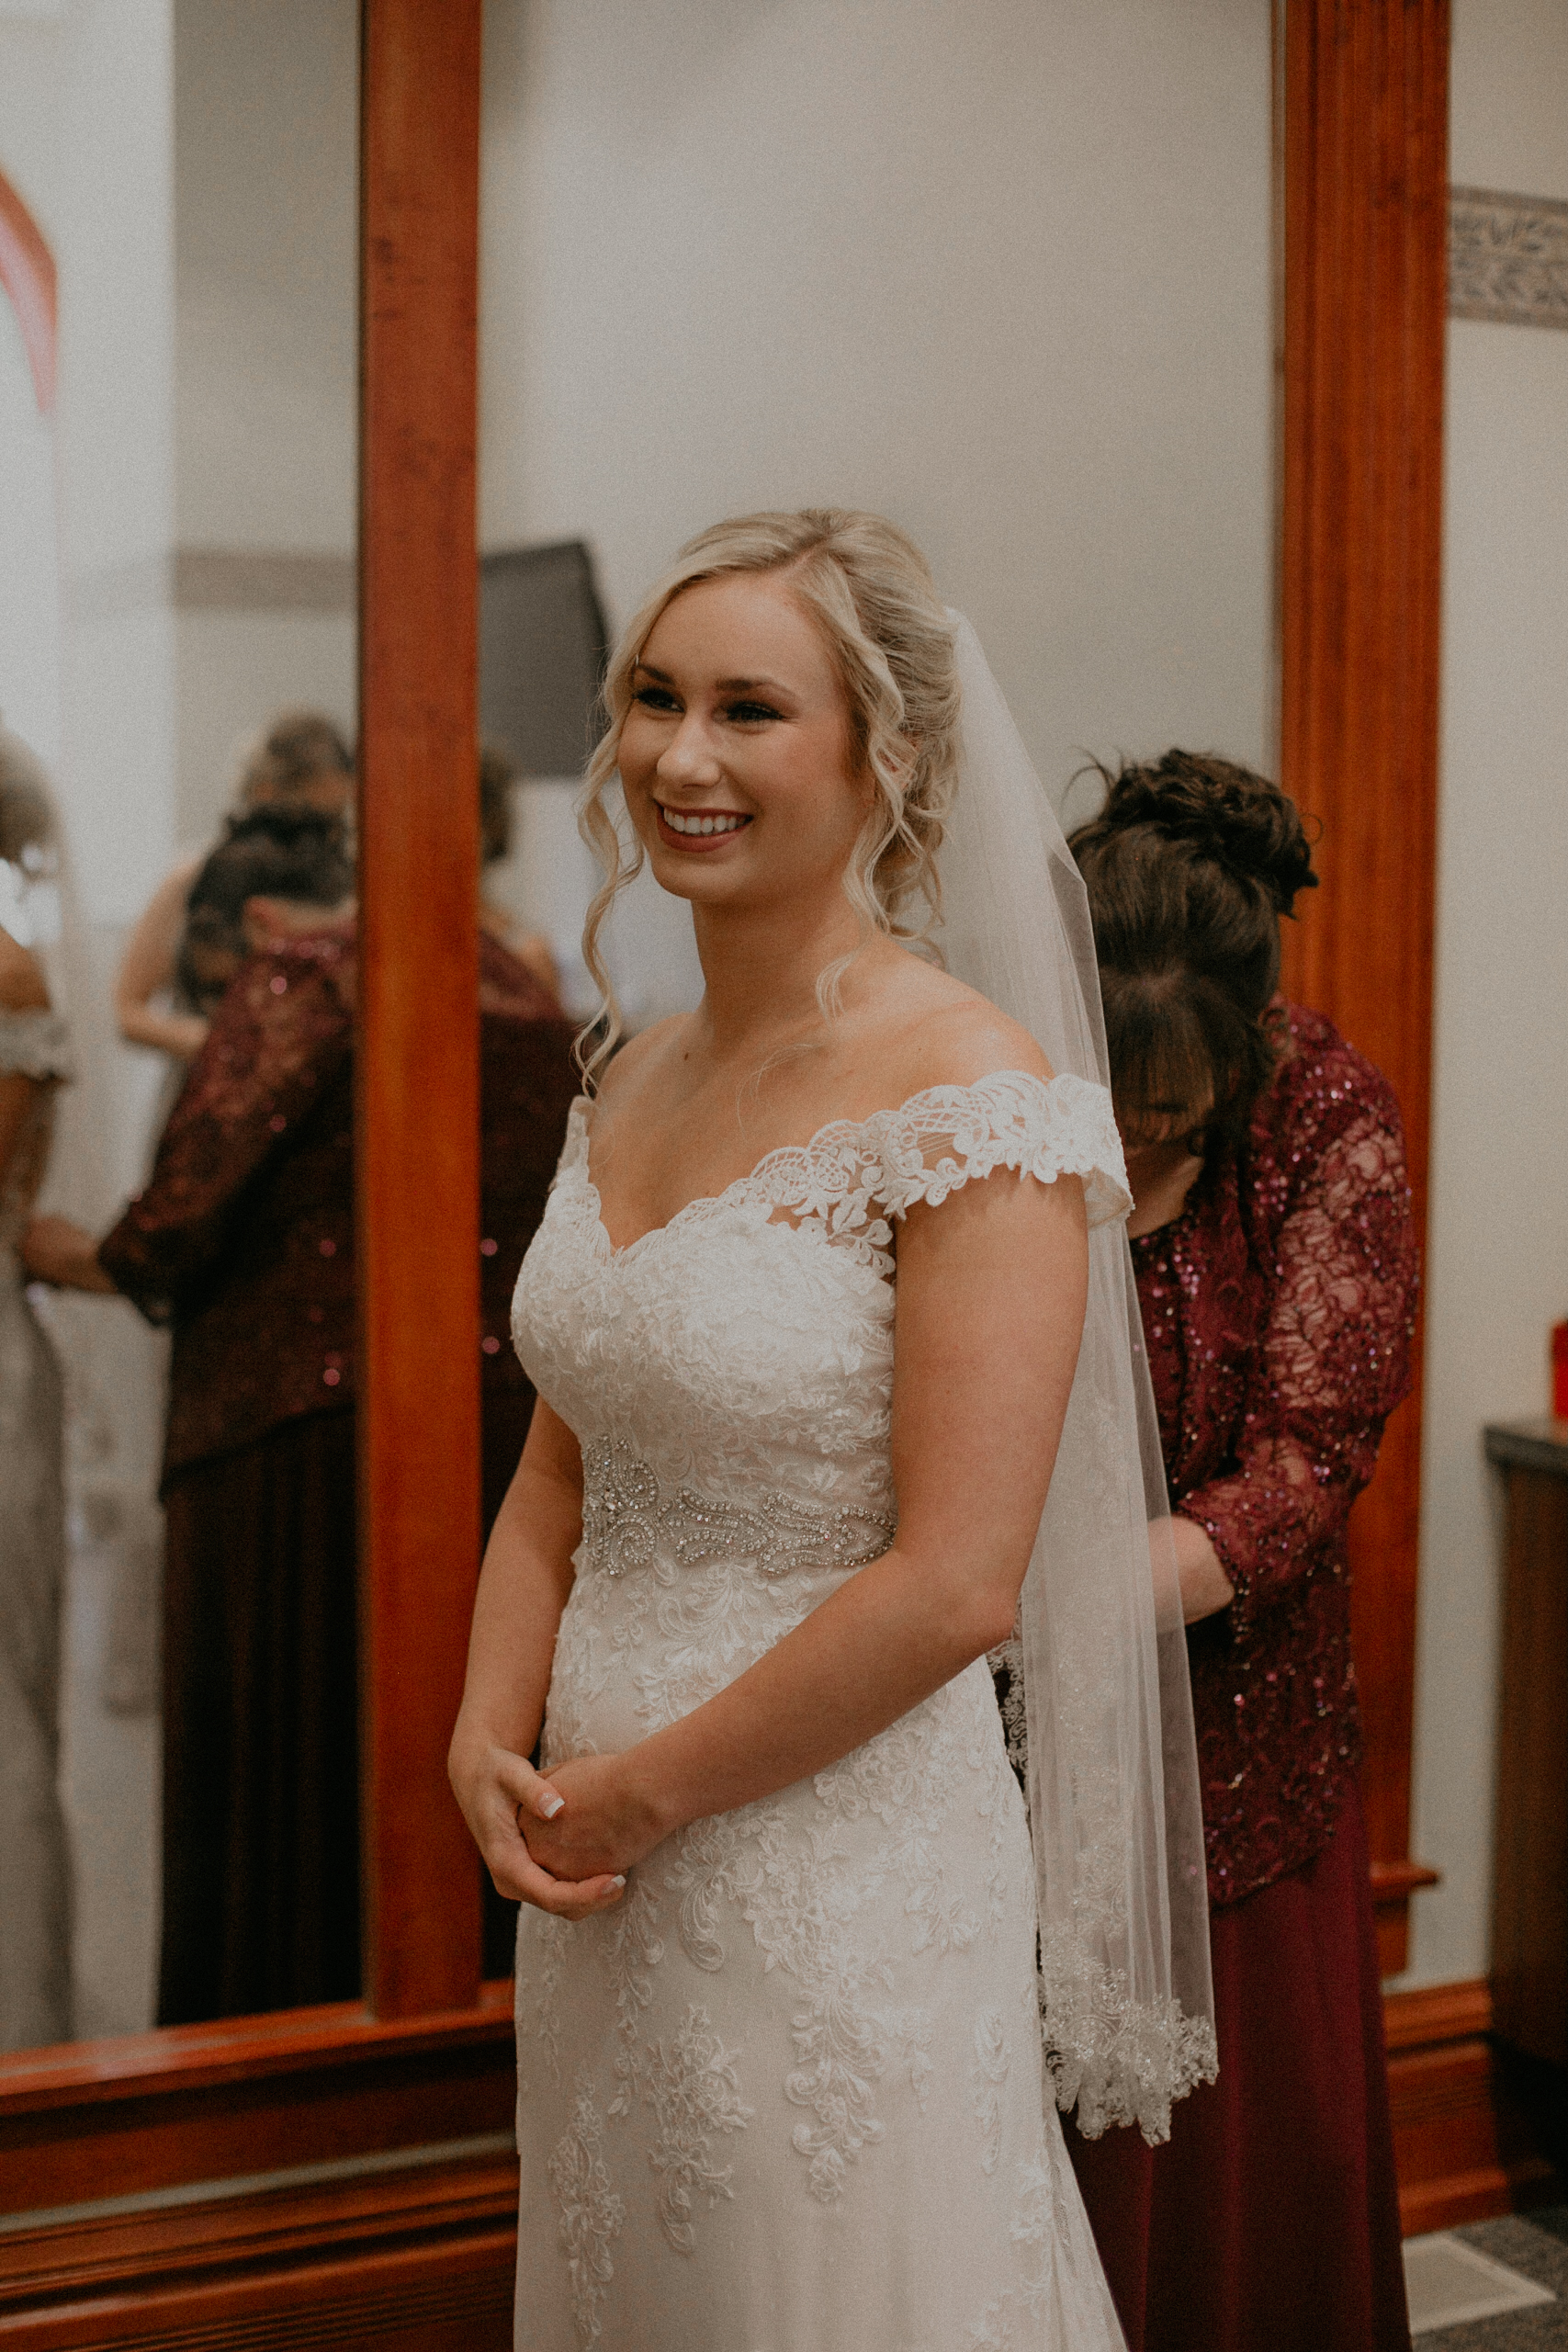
(1365, 174)
(418, 1110)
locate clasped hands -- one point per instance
(562, 1840)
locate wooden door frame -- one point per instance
(1365, 205)
(417, 2078)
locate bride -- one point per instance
(828, 1318)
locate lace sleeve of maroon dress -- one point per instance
(1279, 1310)
(280, 1035)
(1330, 1365)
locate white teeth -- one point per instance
(696, 824)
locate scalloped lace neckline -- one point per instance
(614, 1251)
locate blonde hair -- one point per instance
(870, 590)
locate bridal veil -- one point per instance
(1115, 1815)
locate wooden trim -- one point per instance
(205, 2103)
(1365, 169)
(422, 2259)
(418, 1176)
(26, 272)
(1441, 2098)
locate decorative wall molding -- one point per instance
(1508, 258)
(263, 580)
(217, 579)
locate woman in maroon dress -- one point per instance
(1276, 1268)
(243, 1243)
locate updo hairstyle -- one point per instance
(270, 853)
(1189, 867)
(871, 593)
(291, 752)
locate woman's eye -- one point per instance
(656, 698)
(748, 714)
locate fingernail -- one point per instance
(551, 1806)
(619, 1880)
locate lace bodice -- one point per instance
(751, 1339)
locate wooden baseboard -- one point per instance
(315, 2177)
(419, 2260)
(1463, 2154)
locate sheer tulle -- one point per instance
(1115, 1813)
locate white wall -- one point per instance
(1001, 270)
(266, 343)
(1498, 1265)
(84, 136)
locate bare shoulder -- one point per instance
(23, 988)
(940, 1033)
(639, 1061)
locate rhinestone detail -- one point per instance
(627, 1518)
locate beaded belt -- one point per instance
(627, 1518)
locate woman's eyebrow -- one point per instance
(750, 686)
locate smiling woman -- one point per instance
(805, 1318)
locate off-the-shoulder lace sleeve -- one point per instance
(951, 1136)
(276, 1039)
(574, 1150)
(1333, 1364)
(34, 1045)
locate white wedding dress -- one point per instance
(787, 2096)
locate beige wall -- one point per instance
(1001, 270)
(1498, 1268)
(266, 362)
(84, 136)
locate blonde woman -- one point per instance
(822, 1263)
(299, 762)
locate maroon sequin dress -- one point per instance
(243, 1243)
(1278, 1309)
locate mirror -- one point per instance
(1008, 281)
(1004, 278)
(178, 571)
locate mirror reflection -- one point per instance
(179, 383)
(1011, 288)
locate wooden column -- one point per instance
(1365, 171)
(418, 1107)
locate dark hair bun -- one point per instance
(1239, 819)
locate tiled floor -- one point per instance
(1534, 2247)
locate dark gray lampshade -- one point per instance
(543, 647)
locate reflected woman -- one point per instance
(243, 1243)
(1276, 1268)
(35, 1869)
(299, 762)
(820, 1269)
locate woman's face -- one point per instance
(736, 753)
(1159, 1137)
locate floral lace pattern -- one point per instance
(243, 1239)
(778, 2022)
(1279, 1310)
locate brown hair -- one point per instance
(293, 749)
(1189, 867)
